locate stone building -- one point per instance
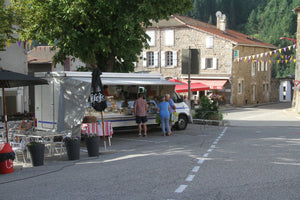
(296, 99)
(182, 44)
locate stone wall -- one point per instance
(256, 88)
(186, 38)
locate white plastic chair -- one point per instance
(20, 149)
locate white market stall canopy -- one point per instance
(113, 78)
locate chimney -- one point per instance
(221, 21)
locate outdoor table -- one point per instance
(89, 128)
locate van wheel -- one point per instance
(182, 122)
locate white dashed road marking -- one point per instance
(180, 189)
(190, 178)
(196, 169)
(200, 161)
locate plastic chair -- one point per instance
(20, 149)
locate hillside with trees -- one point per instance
(266, 20)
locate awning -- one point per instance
(213, 84)
(194, 87)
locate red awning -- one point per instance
(194, 87)
(214, 84)
(176, 80)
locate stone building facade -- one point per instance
(210, 52)
(296, 99)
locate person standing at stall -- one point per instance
(140, 110)
(173, 107)
(164, 115)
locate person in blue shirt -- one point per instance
(172, 105)
(164, 116)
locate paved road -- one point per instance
(279, 114)
(241, 161)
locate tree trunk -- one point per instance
(110, 63)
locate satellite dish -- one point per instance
(218, 13)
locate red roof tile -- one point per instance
(231, 35)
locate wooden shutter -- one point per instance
(203, 63)
(144, 59)
(195, 61)
(163, 59)
(184, 61)
(215, 63)
(155, 59)
(175, 58)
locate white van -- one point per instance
(63, 103)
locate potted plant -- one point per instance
(73, 147)
(92, 143)
(36, 150)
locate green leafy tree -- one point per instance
(6, 28)
(237, 11)
(108, 32)
(272, 22)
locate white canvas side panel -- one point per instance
(44, 106)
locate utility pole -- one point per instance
(189, 78)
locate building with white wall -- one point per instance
(15, 59)
(285, 91)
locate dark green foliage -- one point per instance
(109, 33)
(208, 109)
(6, 29)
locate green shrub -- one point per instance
(208, 110)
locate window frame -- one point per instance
(169, 58)
(209, 42)
(150, 59)
(253, 68)
(240, 86)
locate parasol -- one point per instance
(9, 79)
(98, 97)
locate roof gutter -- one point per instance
(254, 45)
